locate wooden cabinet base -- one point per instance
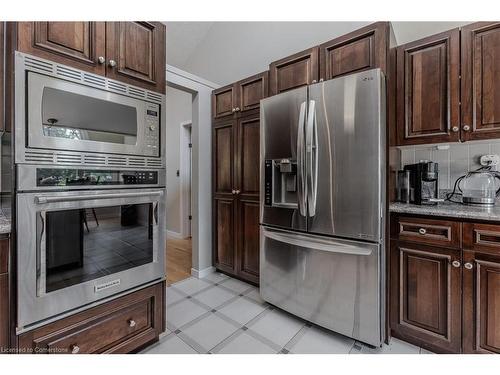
(124, 325)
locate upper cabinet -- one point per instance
(135, 53)
(360, 50)
(448, 86)
(131, 52)
(241, 96)
(481, 81)
(298, 70)
(79, 44)
(428, 89)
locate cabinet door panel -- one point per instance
(248, 240)
(223, 159)
(4, 310)
(428, 90)
(294, 71)
(224, 234)
(252, 90)
(249, 155)
(425, 295)
(481, 303)
(362, 49)
(138, 48)
(77, 44)
(481, 80)
(223, 101)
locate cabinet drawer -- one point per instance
(427, 231)
(118, 326)
(483, 237)
(4, 255)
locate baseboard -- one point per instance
(199, 274)
(173, 234)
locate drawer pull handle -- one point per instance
(131, 323)
(422, 231)
(469, 266)
(75, 349)
(456, 263)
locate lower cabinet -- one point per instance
(123, 325)
(446, 299)
(426, 305)
(4, 293)
(481, 301)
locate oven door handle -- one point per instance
(44, 199)
(41, 273)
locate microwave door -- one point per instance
(64, 115)
(283, 200)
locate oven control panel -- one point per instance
(152, 129)
(64, 177)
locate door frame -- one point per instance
(201, 182)
(185, 176)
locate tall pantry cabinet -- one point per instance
(235, 176)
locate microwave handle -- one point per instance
(41, 272)
(44, 199)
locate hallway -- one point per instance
(179, 259)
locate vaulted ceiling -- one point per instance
(223, 52)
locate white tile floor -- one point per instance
(219, 314)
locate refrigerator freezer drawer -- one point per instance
(331, 282)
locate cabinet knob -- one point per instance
(75, 349)
(422, 231)
(455, 129)
(466, 128)
(314, 81)
(131, 323)
(101, 60)
(469, 266)
(112, 63)
(237, 191)
(237, 109)
(321, 79)
(233, 191)
(455, 263)
(233, 110)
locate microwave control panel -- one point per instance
(152, 129)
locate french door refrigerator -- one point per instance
(323, 204)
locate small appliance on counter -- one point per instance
(423, 183)
(479, 188)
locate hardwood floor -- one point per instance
(179, 259)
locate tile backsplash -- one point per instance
(455, 159)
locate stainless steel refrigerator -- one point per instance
(322, 202)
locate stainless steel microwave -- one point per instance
(69, 115)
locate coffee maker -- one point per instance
(423, 185)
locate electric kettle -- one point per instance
(479, 188)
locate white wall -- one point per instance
(234, 50)
(179, 109)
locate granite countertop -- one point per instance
(449, 209)
(4, 221)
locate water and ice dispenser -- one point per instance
(281, 183)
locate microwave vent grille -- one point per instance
(136, 162)
(117, 161)
(39, 157)
(79, 76)
(94, 159)
(68, 159)
(40, 65)
(154, 163)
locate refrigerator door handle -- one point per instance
(302, 193)
(312, 158)
(322, 244)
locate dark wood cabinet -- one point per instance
(78, 44)
(131, 52)
(236, 186)
(444, 296)
(481, 81)
(240, 97)
(294, 71)
(426, 298)
(481, 301)
(428, 90)
(4, 292)
(138, 52)
(363, 49)
(123, 325)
